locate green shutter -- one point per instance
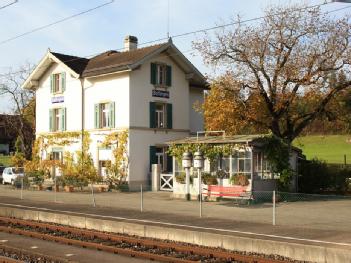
(52, 83)
(169, 116)
(153, 73)
(63, 81)
(169, 76)
(51, 120)
(111, 115)
(96, 116)
(153, 157)
(169, 163)
(152, 115)
(63, 119)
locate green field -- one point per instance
(330, 148)
(5, 160)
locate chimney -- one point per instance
(130, 43)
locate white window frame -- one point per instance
(104, 111)
(57, 80)
(160, 117)
(161, 74)
(57, 116)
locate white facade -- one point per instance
(131, 93)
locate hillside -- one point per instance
(330, 148)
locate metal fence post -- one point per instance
(92, 193)
(200, 190)
(21, 187)
(141, 198)
(55, 189)
(273, 199)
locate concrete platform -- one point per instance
(325, 246)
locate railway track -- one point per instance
(157, 250)
(10, 254)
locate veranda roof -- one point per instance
(219, 139)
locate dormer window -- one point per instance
(161, 75)
(58, 82)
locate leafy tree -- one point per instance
(22, 103)
(281, 74)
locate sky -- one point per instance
(105, 28)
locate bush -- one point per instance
(209, 179)
(221, 174)
(180, 178)
(316, 176)
(18, 182)
(38, 177)
(239, 179)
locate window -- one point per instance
(105, 115)
(57, 119)
(158, 155)
(58, 82)
(241, 162)
(160, 115)
(161, 74)
(262, 167)
(103, 168)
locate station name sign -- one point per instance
(57, 99)
(160, 93)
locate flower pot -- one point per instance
(40, 187)
(69, 188)
(57, 188)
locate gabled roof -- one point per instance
(113, 61)
(77, 64)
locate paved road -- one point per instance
(75, 254)
(319, 220)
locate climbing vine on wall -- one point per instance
(117, 169)
(277, 153)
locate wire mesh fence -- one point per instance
(313, 211)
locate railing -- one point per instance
(166, 182)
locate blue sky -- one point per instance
(105, 28)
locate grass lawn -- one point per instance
(5, 160)
(330, 148)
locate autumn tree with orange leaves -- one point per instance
(282, 73)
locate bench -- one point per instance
(236, 192)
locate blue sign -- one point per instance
(160, 93)
(57, 99)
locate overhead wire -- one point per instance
(193, 32)
(12, 3)
(54, 23)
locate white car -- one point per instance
(10, 174)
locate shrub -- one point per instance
(239, 179)
(316, 176)
(180, 178)
(209, 179)
(221, 174)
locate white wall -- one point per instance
(139, 146)
(110, 88)
(72, 101)
(196, 120)
(141, 95)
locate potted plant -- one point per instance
(239, 179)
(209, 179)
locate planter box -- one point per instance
(69, 188)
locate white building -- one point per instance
(148, 91)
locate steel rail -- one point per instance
(187, 249)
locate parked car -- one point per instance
(2, 168)
(10, 174)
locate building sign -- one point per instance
(160, 93)
(57, 99)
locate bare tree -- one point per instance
(22, 106)
(295, 61)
